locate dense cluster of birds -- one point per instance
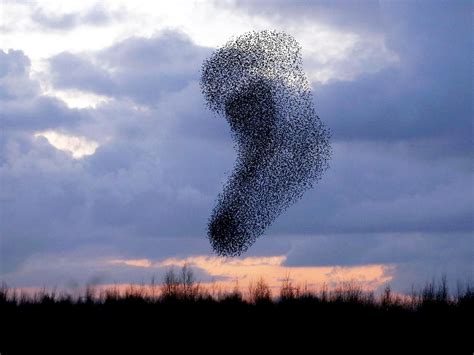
(257, 82)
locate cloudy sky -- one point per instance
(110, 163)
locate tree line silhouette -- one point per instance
(428, 318)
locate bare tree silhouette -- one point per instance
(181, 286)
(259, 292)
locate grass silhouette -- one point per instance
(344, 318)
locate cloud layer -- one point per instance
(399, 190)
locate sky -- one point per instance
(110, 162)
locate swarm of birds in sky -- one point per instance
(256, 81)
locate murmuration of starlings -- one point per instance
(256, 81)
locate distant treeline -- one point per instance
(345, 317)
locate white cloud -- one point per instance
(331, 54)
(328, 52)
(77, 146)
(77, 98)
(133, 262)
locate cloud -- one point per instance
(14, 76)
(384, 107)
(380, 248)
(24, 109)
(395, 77)
(375, 187)
(341, 39)
(75, 270)
(348, 15)
(77, 146)
(416, 257)
(137, 68)
(149, 178)
(331, 51)
(70, 70)
(399, 190)
(95, 16)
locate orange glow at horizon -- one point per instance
(244, 271)
(241, 272)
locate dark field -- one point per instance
(183, 316)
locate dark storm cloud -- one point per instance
(137, 68)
